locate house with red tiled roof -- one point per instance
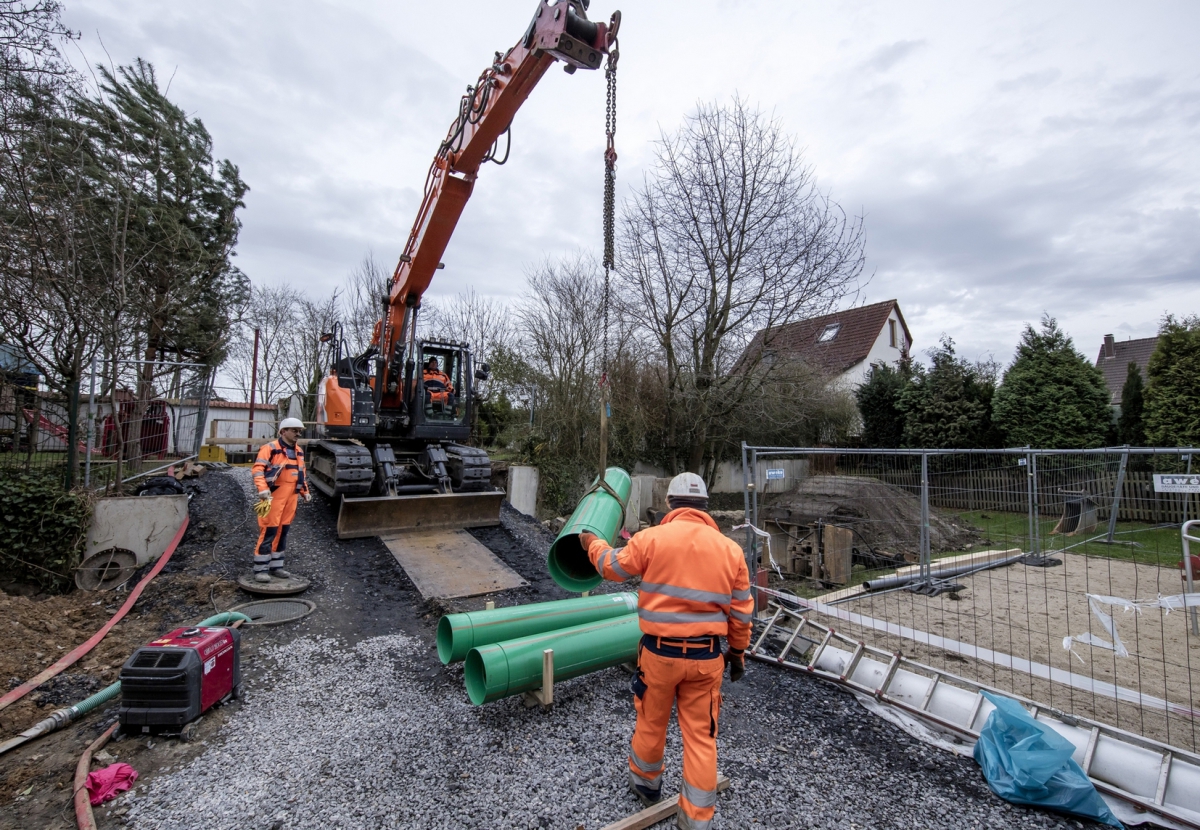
(1115, 357)
(845, 343)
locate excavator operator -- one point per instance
(695, 588)
(438, 387)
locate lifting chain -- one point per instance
(610, 188)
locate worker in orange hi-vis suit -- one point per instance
(695, 588)
(437, 383)
(279, 477)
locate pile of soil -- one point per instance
(887, 518)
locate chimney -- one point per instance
(1109, 348)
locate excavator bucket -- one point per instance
(389, 515)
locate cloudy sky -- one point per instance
(1010, 158)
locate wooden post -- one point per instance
(253, 384)
(544, 696)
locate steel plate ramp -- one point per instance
(1152, 776)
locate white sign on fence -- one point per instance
(774, 473)
(1164, 483)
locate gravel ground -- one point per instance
(350, 722)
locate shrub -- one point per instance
(42, 529)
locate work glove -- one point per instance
(307, 497)
(263, 506)
(586, 538)
(735, 659)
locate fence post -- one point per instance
(1116, 502)
(751, 559)
(1187, 499)
(925, 518)
(91, 428)
(1036, 542)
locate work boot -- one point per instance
(277, 570)
(262, 577)
(647, 796)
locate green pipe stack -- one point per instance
(503, 647)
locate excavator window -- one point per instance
(445, 396)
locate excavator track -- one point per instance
(345, 469)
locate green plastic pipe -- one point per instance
(599, 513)
(457, 634)
(514, 666)
(65, 716)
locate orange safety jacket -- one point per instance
(276, 463)
(694, 579)
(438, 385)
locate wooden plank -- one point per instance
(838, 544)
(661, 811)
(451, 563)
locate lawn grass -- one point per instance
(1156, 544)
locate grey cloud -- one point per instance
(1029, 81)
(886, 57)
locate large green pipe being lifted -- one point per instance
(514, 666)
(599, 513)
(457, 634)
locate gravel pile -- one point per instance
(350, 722)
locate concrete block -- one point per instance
(127, 532)
(641, 494)
(523, 489)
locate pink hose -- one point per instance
(73, 655)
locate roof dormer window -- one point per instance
(829, 332)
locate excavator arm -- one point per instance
(558, 31)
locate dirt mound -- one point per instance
(886, 517)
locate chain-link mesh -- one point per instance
(1052, 575)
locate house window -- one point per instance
(828, 333)
(892, 332)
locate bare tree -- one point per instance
(362, 302)
(561, 344)
(308, 357)
(728, 239)
(275, 312)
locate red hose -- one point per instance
(73, 655)
(84, 816)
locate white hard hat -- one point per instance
(290, 423)
(687, 485)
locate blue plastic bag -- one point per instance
(1027, 763)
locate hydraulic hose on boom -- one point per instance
(393, 423)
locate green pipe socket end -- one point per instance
(457, 634)
(599, 513)
(508, 668)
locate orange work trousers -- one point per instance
(695, 685)
(273, 527)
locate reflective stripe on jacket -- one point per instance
(276, 463)
(694, 579)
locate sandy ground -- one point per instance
(1028, 611)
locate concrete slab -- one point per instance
(450, 563)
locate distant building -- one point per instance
(845, 344)
(1115, 357)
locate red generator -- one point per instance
(173, 680)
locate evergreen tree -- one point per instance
(879, 404)
(948, 405)
(1052, 396)
(1131, 426)
(1172, 413)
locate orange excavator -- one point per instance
(391, 443)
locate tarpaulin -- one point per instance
(1027, 763)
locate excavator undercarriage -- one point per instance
(385, 490)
